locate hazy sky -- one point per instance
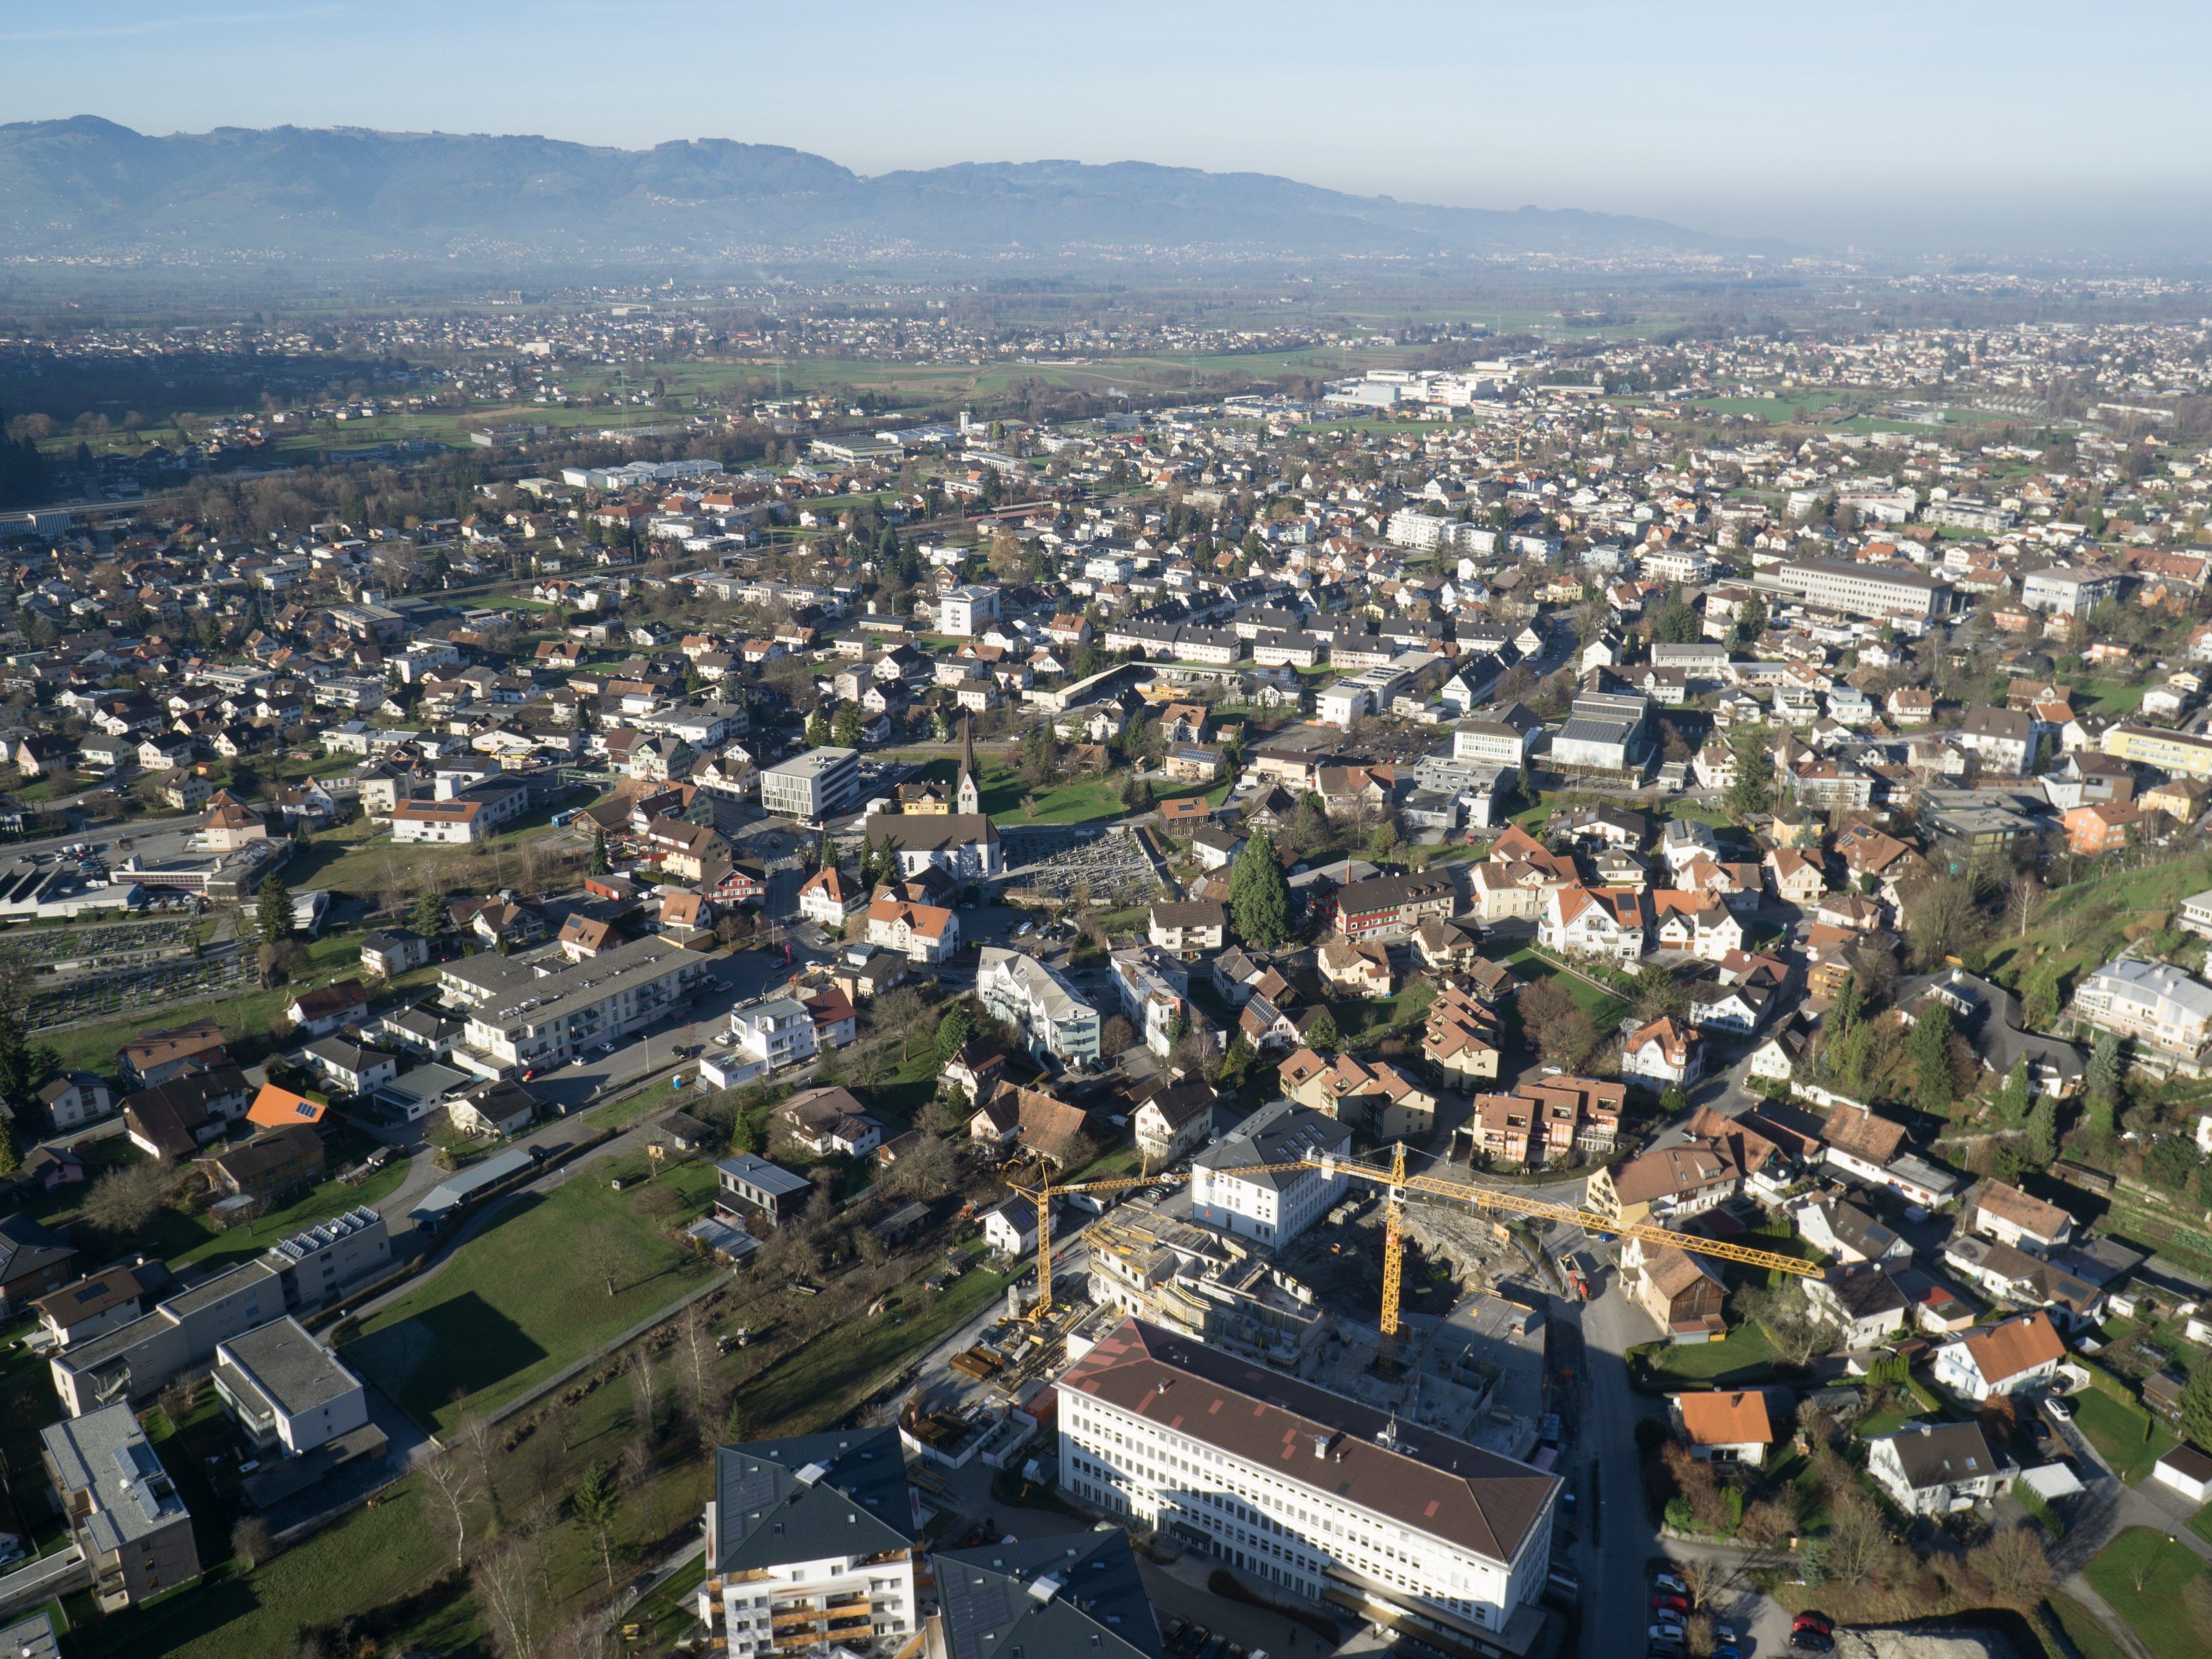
(1876, 120)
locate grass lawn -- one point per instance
(318, 1203)
(2116, 900)
(2156, 1613)
(524, 1299)
(1743, 1355)
(2128, 1438)
(1605, 1010)
(2083, 1631)
(1361, 1022)
(819, 1382)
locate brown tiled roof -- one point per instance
(2016, 1346)
(1429, 1482)
(1855, 1130)
(1714, 1418)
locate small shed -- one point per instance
(2188, 1471)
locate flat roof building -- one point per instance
(818, 784)
(122, 1507)
(1859, 589)
(287, 1392)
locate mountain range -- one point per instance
(87, 187)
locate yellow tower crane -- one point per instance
(1398, 1185)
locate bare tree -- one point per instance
(645, 1391)
(476, 1441)
(602, 1255)
(2014, 1563)
(696, 1344)
(2024, 901)
(250, 1542)
(1858, 1542)
(452, 1483)
(124, 1200)
(508, 1582)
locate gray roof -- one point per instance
(25, 1247)
(1281, 1132)
(106, 1453)
(770, 1178)
(1073, 1593)
(30, 1638)
(286, 1367)
(808, 1498)
(431, 1082)
(1941, 1453)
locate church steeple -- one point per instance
(966, 798)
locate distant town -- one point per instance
(1491, 991)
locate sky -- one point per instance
(1951, 125)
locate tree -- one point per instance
(600, 865)
(596, 1498)
(845, 730)
(1850, 1004)
(602, 1255)
(1115, 1038)
(737, 1425)
(2024, 901)
(2172, 1161)
(2040, 997)
(1259, 898)
(250, 1541)
(817, 731)
(428, 917)
(272, 912)
(1751, 620)
(2043, 1131)
(122, 1201)
(509, 1580)
(1322, 1035)
(2013, 1100)
(2196, 1419)
(1940, 917)
(1929, 1049)
(2014, 1563)
(2104, 1075)
(1751, 791)
(452, 1483)
(953, 1031)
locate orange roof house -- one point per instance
(280, 1109)
(1724, 1427)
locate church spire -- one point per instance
(966, 798)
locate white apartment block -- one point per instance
(2068, 591)
(1859, 589)
(1270, 1206)
(810, 1545)
(822, 783)
(1322, 1495)
(966, 611)
(1050, 1014)
(526, 1016)
(2152, 1002)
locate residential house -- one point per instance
(322, 1011)
(1355, 969)
(34, 1263)
(920, 932)
(1188, 930)
(2006, 1213)
(2020, 1353)
(1377, 1098)
(1682, 1292)
(1606, 923)
(1937, 1469)
(1663, 1056)
(1723, 1426)
(1862, 1303)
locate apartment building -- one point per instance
(1498, 737)
(1610, 923)
(530, 1016)
(287, 1393)
(2068, 590)
(1067, 1594)
(1052, 1016)
(1366, 908)
(308, 1271)
(122, 1507)
(920, 932)
(1324, 1497)
(810, 1544)
(2152, 1002)
(1859, 589)
(2183, 753)
(812, 788)
(1272, 1205)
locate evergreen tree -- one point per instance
(9, 1160)
(1259, 898)
(272, 912)
(599, 865)
(2043, 1131)
(1322, 1035)
(1850, 1004)
(2104, 1079)
(1929, 1049)
(2197, 1407)
(2040, 997)
(428, 917)
(1751, 792)
(845, 730)
(817, 731)
(953, 1033)
(1750, 621)
(2012, 1104)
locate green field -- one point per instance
(524, 1299)
(2158, 1611)
(2083, 1631)
(2126, 1436)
